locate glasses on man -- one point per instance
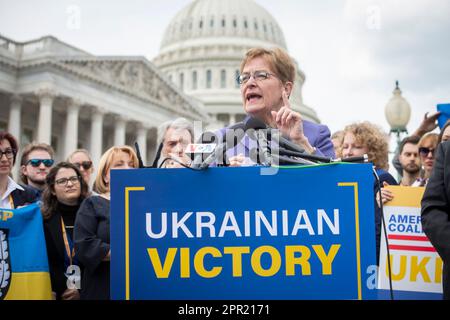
(37, 162)
(9, 153)
(64, 181)
(257, 75)
(426, 151)
(85, 164)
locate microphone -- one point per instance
(222, 148)
(362, 159)
(287, 147)
(158, 156)
(263, 145)
(196, 148)
(138, 154)
(264, 154)
(230, 139)
(284, 152)
(207, 138)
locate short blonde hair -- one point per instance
(69, 158)
(100, 185)
(279, 61)
(374, 139)
(429, 137)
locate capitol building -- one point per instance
(53, 92)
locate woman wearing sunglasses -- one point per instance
(12, 195)
(427, 145)
(82, 160)
(61, 199)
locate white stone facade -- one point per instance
(54, 93)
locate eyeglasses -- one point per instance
(85, 164)
(426, 151)
(9, 153)
(37, 162)
(64, 181)
(257, 75)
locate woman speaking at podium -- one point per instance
(266, 81)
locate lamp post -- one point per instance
(398, 113)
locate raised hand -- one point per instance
(429, 123)
(290, 124)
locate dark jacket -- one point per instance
(21, 198)
(91, 237)
(56, 251)
(436, 210)
(384, 176)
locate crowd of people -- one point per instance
(76, 216)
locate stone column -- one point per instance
(71, 137)
(46, 98)
(142, 141)
(96, 142)
(120, 131)
(14, 127)
(15, 117)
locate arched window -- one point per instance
(208, 79)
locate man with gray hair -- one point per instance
(173, 138)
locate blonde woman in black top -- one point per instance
(92, 225)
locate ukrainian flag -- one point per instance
(24, 272)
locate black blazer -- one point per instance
(56, 253)
(436, 210)
(92, 244)
(21, 198)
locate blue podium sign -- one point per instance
(232, 233)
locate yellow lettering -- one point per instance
(200, 267)
(7, 215)
(162, 271)
(326, 259)
(236, 255)
(302, 260)
(256, 261)
(419, 268)
(401, 274)
(438, 271)
(185, 261)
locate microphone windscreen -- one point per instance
(254, 123)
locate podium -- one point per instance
(291, 233)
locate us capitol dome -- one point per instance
(202, 49)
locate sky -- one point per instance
(351, 51)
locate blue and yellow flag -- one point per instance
(24, 272)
